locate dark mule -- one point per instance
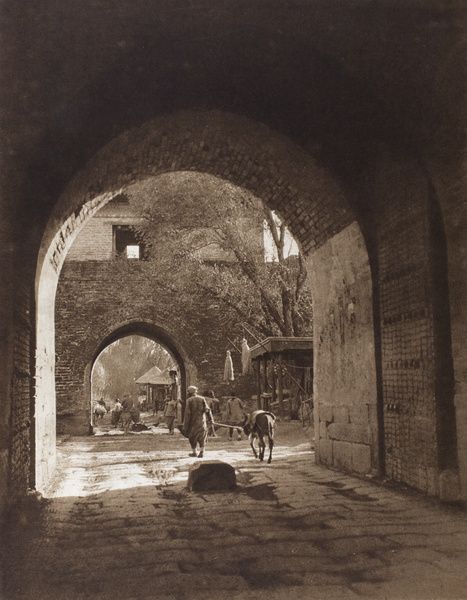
(259, 425)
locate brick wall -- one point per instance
(91, 304)
(396, 416)
(419, 422)
(16, 355)
(95, 241)
(451, 190)
(408, 350)
(21, 421)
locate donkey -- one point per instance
(99, 410)
(259, 425)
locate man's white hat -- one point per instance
(192, 389)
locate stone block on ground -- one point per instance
(212, 475)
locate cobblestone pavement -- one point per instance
(118, 523)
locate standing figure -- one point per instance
(214, 405)
(142, 402)
(235, 414)
(171, 412)
(116, 412)
(130, 413)
(195, 422)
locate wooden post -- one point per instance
(258, 383)
(265, 376)
(280, 385)
(274, 383)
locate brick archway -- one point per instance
(388, 120)
(251, 156)
(244, 152)
(87, 356)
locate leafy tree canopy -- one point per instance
(205, 235)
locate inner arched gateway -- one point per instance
(75, 394)
(253, 157)
(132, 367)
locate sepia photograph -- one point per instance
(233, 300)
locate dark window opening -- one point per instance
(127, 244)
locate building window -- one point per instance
(126, 242)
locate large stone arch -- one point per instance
(245, 152)
(249, 155)
(94, 307)
(155, 332)
(299, 68)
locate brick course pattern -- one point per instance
(233, 148)
(21, 421)
(414, 446)
(92, 304)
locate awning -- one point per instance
(155, 377)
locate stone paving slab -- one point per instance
(119, 524)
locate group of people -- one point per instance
(119, 410)
(199, 417)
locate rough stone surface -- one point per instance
(211, 475)
(344, 350)
(119, 522)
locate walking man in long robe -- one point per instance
(195, 422)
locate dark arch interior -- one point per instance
(190, 75)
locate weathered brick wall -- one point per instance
(101, 248)
(91, 303)
(408, 408)
(21, 421)
(419, 422)
(95, 240)
(6, 357)
(408, 351)
(16, 379)
(450, 181)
